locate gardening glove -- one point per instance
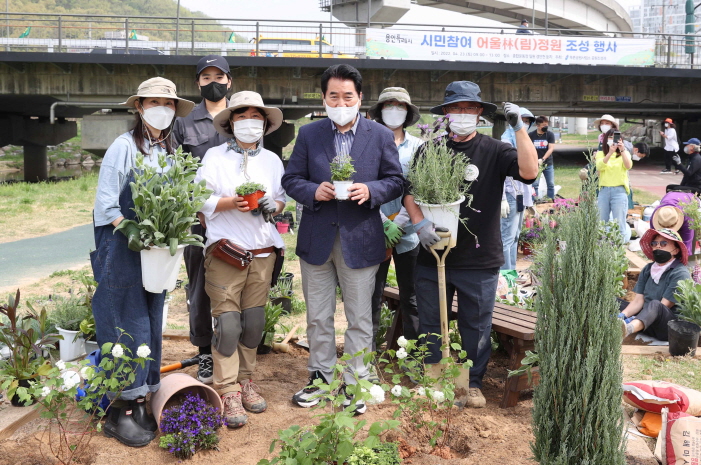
(427, 236)
(267, 204)
(677, 161)
(269, 217)
(131, 230)
(505, 209)
(513, 115)
(393, 233)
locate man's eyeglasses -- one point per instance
(659, 243)
(468, 110)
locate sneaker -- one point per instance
(251, 399)
(360, 406)
(626, 328)
(666, 172)
(310, 395)
(204, 372)
(233, 410)
(475, 399)
(677, 172)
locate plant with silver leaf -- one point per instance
(342, 168)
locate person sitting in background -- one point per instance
(654, 304)
(692, 171)
(669, 215)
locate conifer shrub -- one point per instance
(577, 414)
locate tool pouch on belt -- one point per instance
(232, 254)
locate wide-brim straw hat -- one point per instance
(161, 87)
(464, 91)
(400, 95)
(668, 217)
(614, 121)
(650, 234)
(245, 99)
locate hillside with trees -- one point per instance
(82, 28)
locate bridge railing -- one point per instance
(103, 34)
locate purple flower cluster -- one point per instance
(190, 426)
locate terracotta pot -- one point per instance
(177, 384)
(527, 249)
(252, 199)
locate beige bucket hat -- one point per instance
(400, 95)
(597, 122)
(668, 217)
(246, 98)
(161, 87)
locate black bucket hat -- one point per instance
(463, 91)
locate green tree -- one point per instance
(577, 416)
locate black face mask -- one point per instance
(544, 128)
(214, 91)
(661, 256)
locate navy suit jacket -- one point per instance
(376, 163)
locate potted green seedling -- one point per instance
(281, 294)
(273, 312)
(684, 333)
(342, 171)
(66, 316)
(251, 193)
(166, 203)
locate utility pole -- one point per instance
(7, 18)
(331, 21)
(546, 17)
(177, 27)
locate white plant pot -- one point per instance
(91, 346)
(68, 349)
(159, 271)
(341, 188)
(446, 216)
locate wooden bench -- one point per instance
(514, 326)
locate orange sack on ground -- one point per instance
(651, 424)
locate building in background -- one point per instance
(659, 16)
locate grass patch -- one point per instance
(31, 210)
(684, 371)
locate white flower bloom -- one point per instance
(401, 353)
(421, 391)
(143, 351)
(45, 391)
(87, 372)
(117, 351)
(402, 342)
(61, 365)
(438, 396)
(70, 379)
(378, 394)
(397, 390)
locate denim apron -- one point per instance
(120, 300)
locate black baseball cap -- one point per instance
(213, 60)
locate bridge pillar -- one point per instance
(381, 11)
(498, 128)
(279, 139)
(36, 163)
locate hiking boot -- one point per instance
(122, 426)
(475, 399)
(141, 415)
(310, 395)
(233, 410)
(204, 371)
(359, 406)
(251, 400)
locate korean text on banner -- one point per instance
(501, 48)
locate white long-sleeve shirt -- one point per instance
(221, 169)
(670, 142)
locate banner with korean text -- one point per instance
(508, 48)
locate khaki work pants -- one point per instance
(233, 290)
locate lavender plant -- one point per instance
(190, 427)
(342, 168)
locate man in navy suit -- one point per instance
(340, 241)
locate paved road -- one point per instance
(28, 260)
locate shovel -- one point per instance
(462, 382)
(179, 365)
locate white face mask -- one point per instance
(393, 117)
(248, 131)
(158, 117)
(605, 127)
(342, 115)
(463, 124)
(666, 125)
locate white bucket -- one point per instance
(446, 216)
(68, 349)
(341, 188)
(159, 271)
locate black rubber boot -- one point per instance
(122, 426)
(141, 415)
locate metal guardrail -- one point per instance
(67, 33)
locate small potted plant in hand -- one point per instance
(341, 172)
(251, 192)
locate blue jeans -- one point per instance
(549, 173)
(510, 230)
(613, 201)
(476, 290)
